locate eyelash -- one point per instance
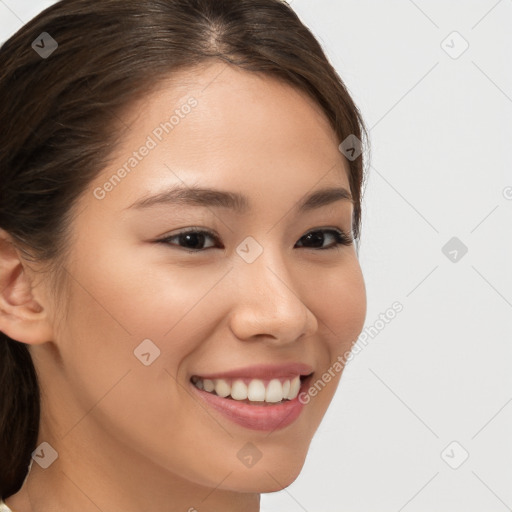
(340, 236)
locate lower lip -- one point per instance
(255, 417)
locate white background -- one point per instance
(441, 130)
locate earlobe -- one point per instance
(22, 317)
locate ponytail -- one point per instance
(19, 414)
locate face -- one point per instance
(193, 321)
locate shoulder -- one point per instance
(4, 507)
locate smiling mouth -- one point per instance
(252, 391)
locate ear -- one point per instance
(22, 317)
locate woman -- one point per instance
(180, 202)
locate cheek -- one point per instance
(144, 299)
(139, 405)
(114, 309)
(340, 305)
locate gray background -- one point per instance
(434, 385)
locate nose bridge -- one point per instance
(269, 303)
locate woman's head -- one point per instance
(128, 291)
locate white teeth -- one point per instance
(238, 390)
(256, 391)
(208, 385)
(275, 391)
(294, 388)
(286, 388)
(222, 388)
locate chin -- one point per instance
(272, 476)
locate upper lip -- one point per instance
(262, 371)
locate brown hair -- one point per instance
(60, 118)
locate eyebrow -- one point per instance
(209, 197)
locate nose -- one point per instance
(268, 304)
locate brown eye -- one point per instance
(315, 239)
(192, 240)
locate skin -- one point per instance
(132, 437)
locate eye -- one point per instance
(317, 238)
(193, 240)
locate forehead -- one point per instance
(219, 125)
(234, 101)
